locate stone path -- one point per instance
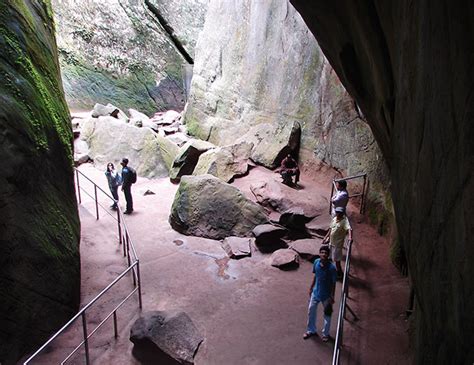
(248, 311)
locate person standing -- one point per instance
(114, 179)
(336, 235)
(127, 181)
(341, 198)
(321, 291)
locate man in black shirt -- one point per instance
(127, 185)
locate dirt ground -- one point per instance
(248, 311)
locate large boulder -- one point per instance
(165, 337)
(187, 158)
(282, 198)
(110, 140)
(225, 162)
(205, 206)
(272, 142)
(39, 224)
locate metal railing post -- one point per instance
(96, 202)
(362, 203)
(330, 197)
(119, 226)
(139, 285)
(86, 341)
(115, 324)
(78, 186)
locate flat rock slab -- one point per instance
(319, 226)
(165, 336)
(307, 248)
(237, 247)
(282, 198)
(285, 259)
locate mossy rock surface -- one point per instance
(39, 230)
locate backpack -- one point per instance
(133, 175)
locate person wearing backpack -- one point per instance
(129, 177)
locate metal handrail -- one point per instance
(342, 307)
(362, 193)
(133, 266)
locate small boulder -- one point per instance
(307, 248)
(268, 237)
(148, 192)
(164, 336)
(108, 110)
(237, 247)
(285, 259)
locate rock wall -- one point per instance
(409, 66)
(117, 52)
(39, 228)
(264, 66)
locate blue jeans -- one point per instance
(312, 309)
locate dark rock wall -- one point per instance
(409, 66)
(39, 226)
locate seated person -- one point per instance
(288, 168)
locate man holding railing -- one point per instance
(336, 236)
(321, 291)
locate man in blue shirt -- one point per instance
(321, 291)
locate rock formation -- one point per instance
(165, 337)
(263, 71)
(409, 67)
(118, 52)
(39, 226)
(111, 139)
(205, 206)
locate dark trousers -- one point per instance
(128, 197)
(114, 192)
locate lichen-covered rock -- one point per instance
(116, 51)
(171, 334)
(110, 140)
(187, 158)
(225, 162)
(39, 229)
(205, 206)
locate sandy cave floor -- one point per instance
(248, 311)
